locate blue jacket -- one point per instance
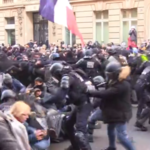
(18, 87)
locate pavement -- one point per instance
(141, 139)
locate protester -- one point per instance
(19, 113)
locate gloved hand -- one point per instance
(64, 82)
(66, 109)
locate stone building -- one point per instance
(102, 20)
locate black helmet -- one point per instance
(112, 71)
(98, 81)
(112, 50)
(88, 53)
(97, 45)
(7, 94)
(56, 70)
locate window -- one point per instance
(70, 39)
(10, 20)
(40, 26)
(129, 18)
(102, 33)
(8, 1)
(11, 37)
(10, 29)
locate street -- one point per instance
(141, 139)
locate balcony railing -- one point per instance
(8, 1)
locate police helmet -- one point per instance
(88, 53)
(98, 81)
(97, 45)
(8, 94)
(112, 71)
(56, 69)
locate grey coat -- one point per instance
(7, 140)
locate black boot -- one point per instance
(82, 141)
(90, 129)
(142, 119)
(140, 126)
(90, 138)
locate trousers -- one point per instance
(140, 97)
(121, 134)
(78, 118)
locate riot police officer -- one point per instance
(90, 65)
(142, 89)
(72, 84)
(141, 85)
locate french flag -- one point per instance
(60, 12)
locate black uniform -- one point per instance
(140, 87)
(143, 93)
(91, 66)
(72, 84)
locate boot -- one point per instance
(90, 130)
(52, 133)
(140, 126)
(82, 141)
(90, 138)
(143, 118)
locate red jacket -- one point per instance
(131, 43)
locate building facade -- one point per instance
(101, 20)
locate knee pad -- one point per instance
(79, 135)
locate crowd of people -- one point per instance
(50, 93)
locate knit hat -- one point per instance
(7, 78)
(36, 90)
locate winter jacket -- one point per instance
(19, 131)
(115, 104)
(44, 101)
(7, 140)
